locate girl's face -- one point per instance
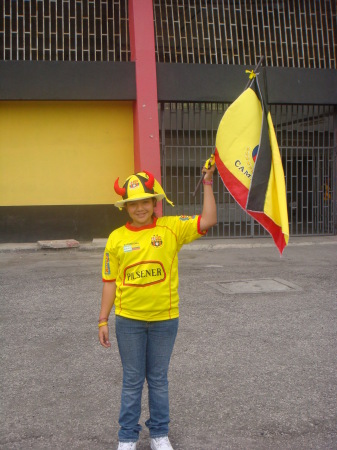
(140, 212)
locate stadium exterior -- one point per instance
(93, 90)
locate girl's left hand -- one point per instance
(209, 171)
(103, 335)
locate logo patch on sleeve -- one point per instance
(183, 218)
(107, 264)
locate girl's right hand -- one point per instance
(103, 335)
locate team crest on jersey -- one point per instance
(107, 264)
(134, 184)
(183, 218)
(156, 241)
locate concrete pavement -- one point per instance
(254, 366)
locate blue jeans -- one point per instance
(145, 349)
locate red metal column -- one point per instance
(145, 114)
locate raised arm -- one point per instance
(209, 213)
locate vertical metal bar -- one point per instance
(304, 33)
(78, 23)
(168, 33)
(322, 16)
(295, 168)
(95, 32)
(282, 56)
(27, 31)
(293, 171)
(156, 34)
(227, 41)
(206, 27)
(331, 41)
(266, 27)
(82, 34)
(162, 146)
(310, 137)
(174, 37)
(285, 141)
(117, 50)
(177, 33)
(306, 177)
(110, 31)
(14, 34)
(312, 38)
(321, 173)
(21, 33)
(62, 32)
(272, 26)
(297, 32)
(329, 138)
(4, 32)
(326, 185)
(194, 59)
(309, 157)
(217, 57)
(48, 33)
(307, 29)
(321, 184)
(100, 32)
(183, 39)
(300, 180)
(334, 172)
(57, 58)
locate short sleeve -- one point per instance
(189, 229)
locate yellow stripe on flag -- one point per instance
(238, 134)
(275, 205)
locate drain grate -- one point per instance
(257, 286)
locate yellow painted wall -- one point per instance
(64, 153)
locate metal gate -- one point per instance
(305, 134)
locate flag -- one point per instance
(249, 162)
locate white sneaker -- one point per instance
(127, 446)
(161, 443)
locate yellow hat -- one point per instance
(139, 186)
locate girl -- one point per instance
(140, 275)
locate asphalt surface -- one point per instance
(254, 366)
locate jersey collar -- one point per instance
(145, 227)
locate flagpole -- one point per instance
(198, 185)
(254, 71)
(208, 165)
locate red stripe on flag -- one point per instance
(271, 227)
(240, 194)
(235, 187)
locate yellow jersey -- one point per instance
(144, 264)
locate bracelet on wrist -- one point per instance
(207, 182)
(102, 324)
